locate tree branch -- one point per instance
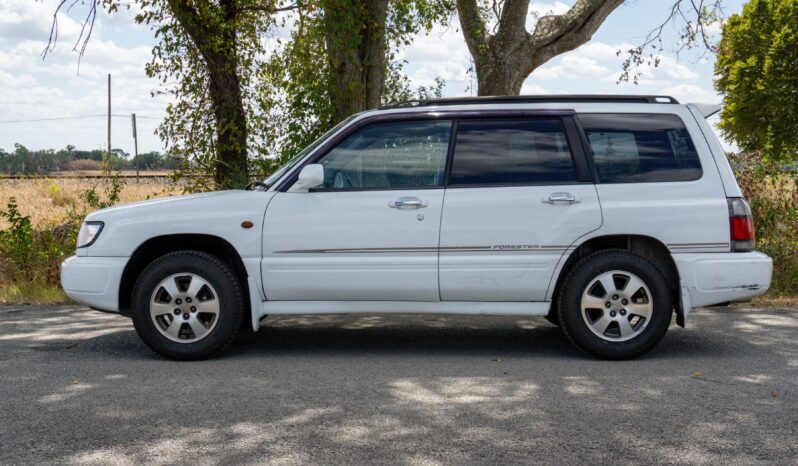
(475, 30)
(695, 17)
(557, 34)
(86, 29)
(512, 20)
(269, 8)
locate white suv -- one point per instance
(605, 214)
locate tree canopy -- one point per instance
(756, 73)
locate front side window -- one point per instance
(396, 155)
(511, 152)
(640, 148)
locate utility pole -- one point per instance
(108, 161)
(135, 145)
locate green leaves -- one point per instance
(757, 59)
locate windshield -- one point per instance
(295, 159)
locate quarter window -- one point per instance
(389, 156)
(640, 148)
(511, 152)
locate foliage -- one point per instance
(24, 161)
(772, 192)
(299, 84)
(95, 200)
(16, 242)
(756, 65)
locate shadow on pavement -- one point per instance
(78, 387)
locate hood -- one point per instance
(214, 200)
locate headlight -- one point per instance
(89, 233)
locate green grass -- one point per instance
(32, 294)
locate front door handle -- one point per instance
(560, 198)
(407, 202)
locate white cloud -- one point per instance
(32, 88)
(691, 93)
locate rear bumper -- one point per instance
(714, 278)
(93, 281)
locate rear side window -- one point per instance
(640, 148)
(510, 152)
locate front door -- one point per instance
(371, 231)
(515, 204)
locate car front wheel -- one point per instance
(187, 305)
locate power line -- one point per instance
(35, 120)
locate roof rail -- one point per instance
(518, 99)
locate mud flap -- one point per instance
(684, 307)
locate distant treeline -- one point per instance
(23, 161)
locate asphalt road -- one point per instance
(77, 386)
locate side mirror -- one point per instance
(311, 176)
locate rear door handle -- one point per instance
(407, 202)
(560, 198)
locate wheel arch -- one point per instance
(158, 246)
(649, 247)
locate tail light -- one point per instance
(741, 225)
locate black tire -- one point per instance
(582, 275)
(229, 294)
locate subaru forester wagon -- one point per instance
(608, 215)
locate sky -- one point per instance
(32, 88)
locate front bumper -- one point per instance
(715, 278)
(93, 281)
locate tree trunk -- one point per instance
(231, 126)
(498, 75)
(215, 37)
(504, 59)
(356, 47)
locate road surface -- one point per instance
(77, 386)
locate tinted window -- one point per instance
(517, 151)
(637, 148)
(389, 155)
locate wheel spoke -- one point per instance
(210, 306)
(642, 310)
(592, 302)
(171, 288)
(626, 328)
(199, 329)
(607, 283)
(174, 328)
(195, 286)
(601, 324)
(632, 286)
(159, 309)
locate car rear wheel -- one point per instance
(615, 304)
(187, 305)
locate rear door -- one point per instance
(657, 178)
(519, 194)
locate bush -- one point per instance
(85, 164)
(771, 190)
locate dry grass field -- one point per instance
(30, 255)
(49, 201)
